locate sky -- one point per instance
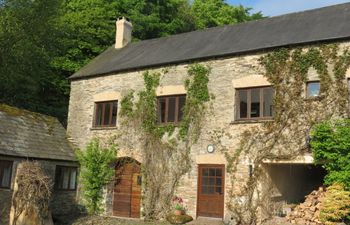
(279, 7)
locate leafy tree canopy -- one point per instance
(330, 143)
(42, 42)
(28, 43)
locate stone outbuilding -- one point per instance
(26, 135)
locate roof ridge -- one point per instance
(15, 111)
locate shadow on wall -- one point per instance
(5, 206)
(65, 208)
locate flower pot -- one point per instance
(178, 212)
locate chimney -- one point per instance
(123, 32)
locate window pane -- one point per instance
(313, 89)
(218, 172)
(211, 190)
(205, 172)
(205, 181)
(65, 178)
(218, 190)
(114, 113)
(255, 104)
(182, 101)
(98, 120)
(211, 172)
(73, 176)
(268, 102)
(211, 181)
(107, 113)
(171, 109)
(243, 104)
(218, 181)
(161, 110)
(5, 173)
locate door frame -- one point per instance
(200, 166)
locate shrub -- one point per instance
(96, 172)
(335, 206)
(330, 143)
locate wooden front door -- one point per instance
(211, 183)
(127, 190)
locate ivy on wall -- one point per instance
(287, 135)
(165, 149)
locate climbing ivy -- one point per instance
(165, 149)
(286, 136)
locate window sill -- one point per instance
(251, 121)
(104, 128)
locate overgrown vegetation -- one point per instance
(42, 44)
(330, 143)
(287, 136)
(165, 149)
(33, 194)
(96, 172)
(335, 206)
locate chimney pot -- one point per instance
(123, 32)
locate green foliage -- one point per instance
(160, 148)
(285, 137)
(330, 143)
(29, 37)
(96, 172)
(211, 13)
(335, 206)
(42, 43)
(127, 105)
(197, 94)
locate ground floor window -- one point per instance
(66, 178)
(5, 173)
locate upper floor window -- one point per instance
(170, 108)
(106, 114)
(66, 178)
(255, 103)
(5, 173)
(313, 88)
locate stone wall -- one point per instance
(226, 75)
(5, 206)
(63, 202)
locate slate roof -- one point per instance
(323, 24)
(32, 135)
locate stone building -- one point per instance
(243, 99)
(26, 135)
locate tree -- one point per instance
(330, 143)
(211, 13)
(28, 42)
(43, 42)
(91, 24)
(96, 172)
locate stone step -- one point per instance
(206, 221)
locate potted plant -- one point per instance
(178, 205)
